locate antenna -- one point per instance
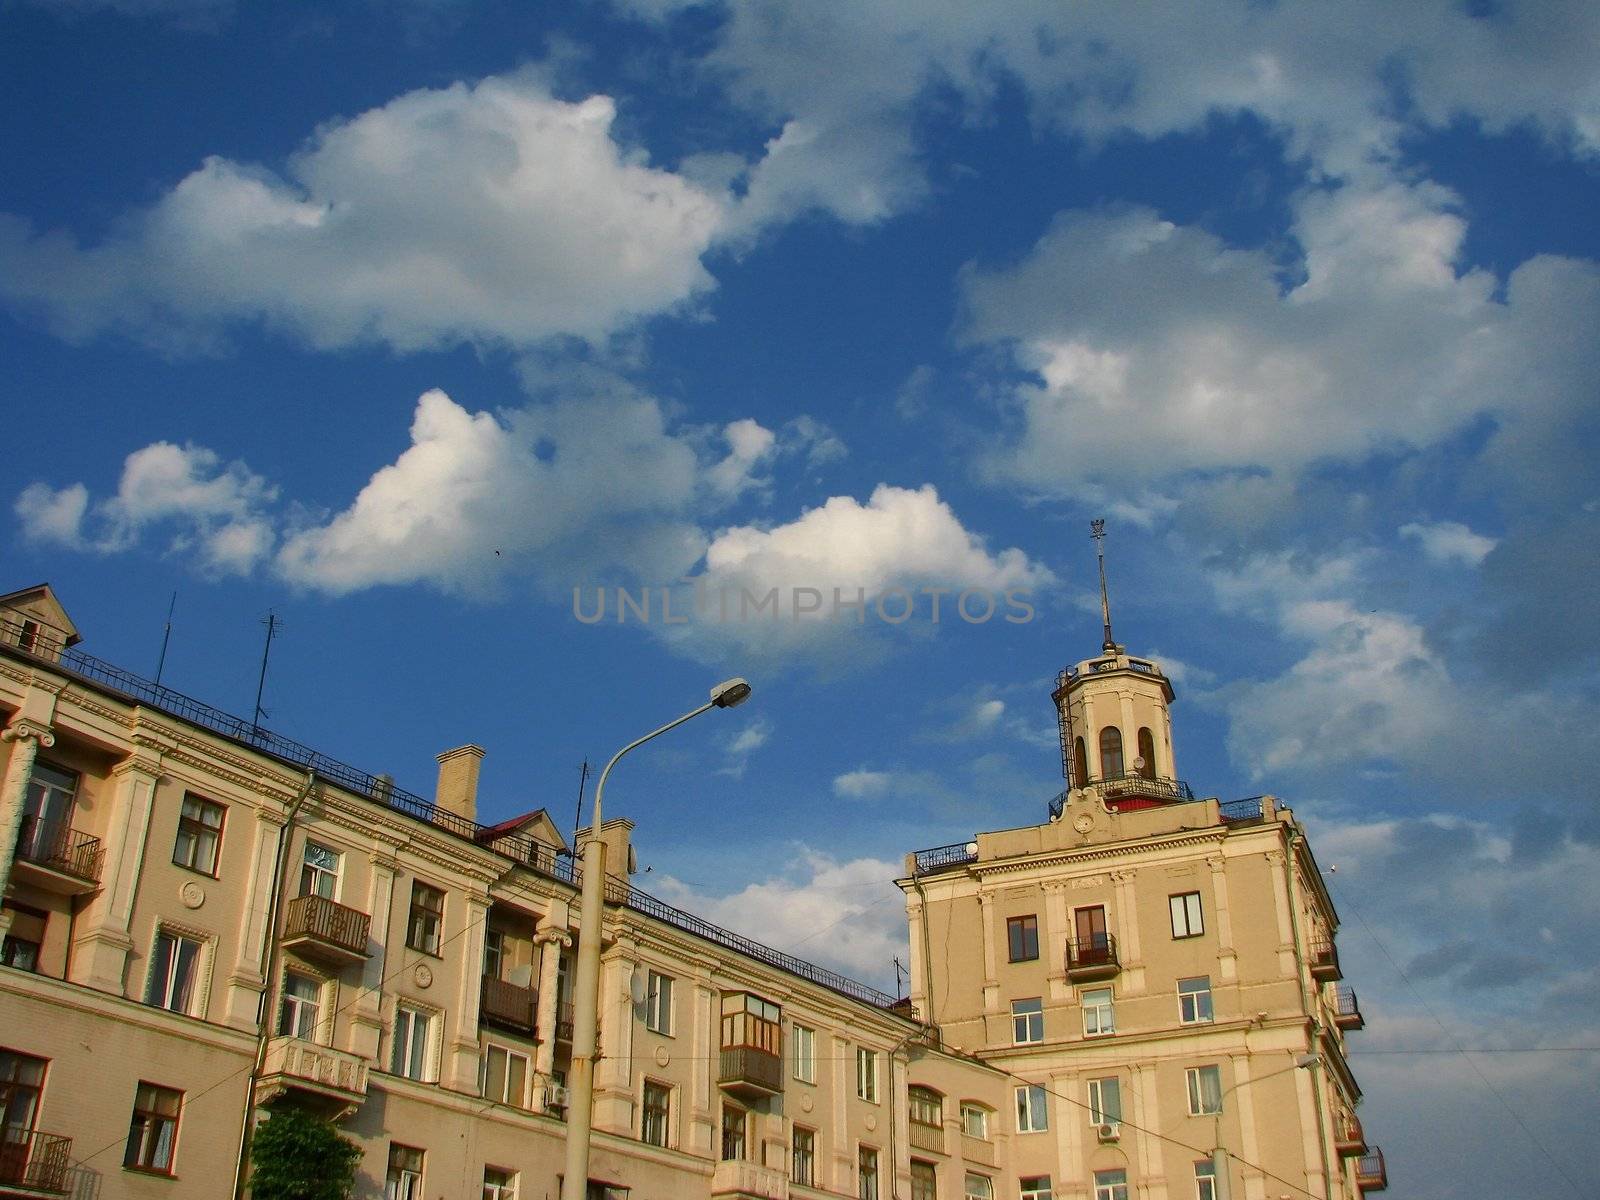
(161, 663)
(1098, 533)
(273, 623)
(899, 972)
(577, 821)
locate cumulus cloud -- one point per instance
(743, 744)
(489, 213)
(1449, 541)
(862, 784)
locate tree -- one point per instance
(297, 1155)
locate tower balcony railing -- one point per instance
(1323, 958)
(1094, 957)
(1139, 787)
(1371, 1174)
(59, 848)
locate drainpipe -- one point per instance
(927, 959)
(269, 970)
(1305, 1003)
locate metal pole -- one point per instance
(1219, 1173)
(161, 664)
(586, 993)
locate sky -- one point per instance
(427, 325)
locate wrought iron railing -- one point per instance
(1094, 952)
(1140, 785)
(1344, 1001)
(1371, 1173)
(55, 844)
(36, 1161)
(1251, 808)
(942, 858)
(1323, 957)
(328, 921)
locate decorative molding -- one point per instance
(26, 728)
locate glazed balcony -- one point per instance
(748, 1181)
(323, 929)
(1348, 1139)
(55, 857)
(34, 1163)
(1371, 1176)
(1323, 959)
(330, 1079)
(508, 1005)
(1346, 1012)
(750, 1073)
(1092, 958)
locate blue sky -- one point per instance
(404, 319)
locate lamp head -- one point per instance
(1307, 1061)
(730, 693)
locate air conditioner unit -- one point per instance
(555, 1095)
(1108, 1133)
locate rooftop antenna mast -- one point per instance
(161, 663)
(1098, 533)
(577, 821)
(273, 623)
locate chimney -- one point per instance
(458, 781)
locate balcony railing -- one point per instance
(59, 847)
(1348, 1138)
(747, 1071)
(942, 858)
(1347, 1013)
(977, 1150)
(1139, 787)
(737, 1177)
(319, 926)
(1094, 957)
(508, 1005)
(34, 1161)
(564, 1018)
(1323, 958)
(314, 1072)
(1371, 1175)
(1239, 812)
(927, 1137)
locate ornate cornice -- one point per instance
(1032, 862)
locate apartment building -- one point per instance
(201, 917)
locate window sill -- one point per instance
(434, 954)
(196, 871)
(155, 1172)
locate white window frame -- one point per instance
(1099, 1017)
(1205, 1180)
(1027, 1023)
(658, 1003)
(975, 1120)
(504, 1094)
(1105, 1101)
(1033, 1109)
(416, 1053)
(1190, 1002)
(301, 1005)
(977, 1186)
(1034, 1187)
(164, 979)
(497, 1190)
(804, 1040)
(1111, 1185)
(1205, 1090)
(312, 873)
(1187, 913)
(407, 1184)
(866, 1074)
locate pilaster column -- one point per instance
(1287, 966)
(613, 1093)
(1227, 959)
(704, 1119)
(100, 956)
(366, 1021)
(26, 736)
(1053, 934)
(245, 981)
(551, 940)
(991, 975)
(462, 1068)
(1127, 929)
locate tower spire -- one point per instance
(1098, 533)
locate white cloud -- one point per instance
(484, 213)
(862, 784)
(743, 744)
(1449, 541)
(53, 515)
(750, 446)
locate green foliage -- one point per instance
(297, 1155)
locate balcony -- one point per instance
(564, 1021)
(1370, 1173)
(1092, 958)
(1124, 793)
(749, 1181)
(508, 1005)
(57, 858)
(331, 1079)
(34, 1163)
(1323, 959)
(750, 1073)
(927, 1137)
(1348, 1139)
(1346, 1012)
(977, 1150)
(319, 928)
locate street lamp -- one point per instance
(1219, 1157)
(586, 1014)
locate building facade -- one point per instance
(201, 918)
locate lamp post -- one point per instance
(586, 995)
(1219, 1156)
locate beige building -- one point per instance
(200, 916)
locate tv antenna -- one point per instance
(1098, 533)
(273, 623)
(161, 663)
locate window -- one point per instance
(1080, 764)
(427, 916)
(319, 872)
(974, 1120)
(927, 1107)
(657, 1106)
(1098, 1019)
(1205, 1090)
(924, 1181)
(1194, 999)
(21, 1085)
(1205, 1180)
(301, 1011)
(804, 1170)
(413, 1029)
(1147, 754)
(199, 835)
(502, 1076)
(805, 1054)
(1034, 1187)
(1105, 1101)
(866, 1173)
(1093, 941)
(658, 1003)
(1110, 753)
(867, 1074)
(494, 952)
(1186, 920)
(174, 968)
(24, 941)
(1110, 1185)
(499, 1184)
(154, 1129)
(404, 1180)
(1032, 1116)
(1027, 1021)
(733, 1123)
(978, 1187)
(46, 812)
(1022, 934)
(749, 1022)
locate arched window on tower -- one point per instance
(1080, 764)
(1147, 754)
(1110, 752)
